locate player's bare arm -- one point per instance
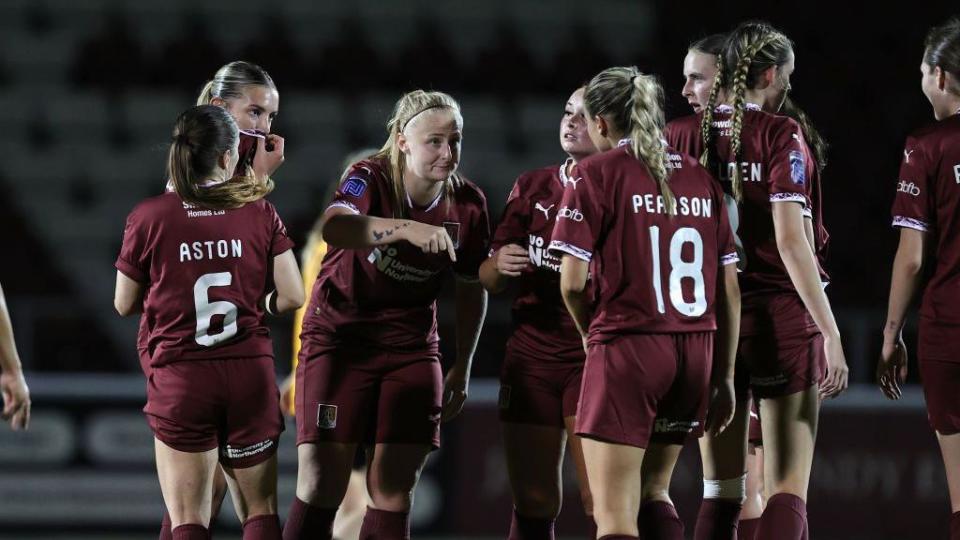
(904, 284)
(797, 256)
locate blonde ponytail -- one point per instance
(633, 102)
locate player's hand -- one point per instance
(454, 393)
(16, 400)
(892, 368)
(429, 239)
(269, 156)
(836, 379)
(511, 260)
(722, 406)
(286, 394)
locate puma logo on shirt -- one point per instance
(546, 211)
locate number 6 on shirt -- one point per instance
(207, 309)
(680, 269)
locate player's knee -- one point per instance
(260, 507)
(188, 516)
(795, 487)
(536, 501)
(311, 489)
(655, 491)
(392, 501)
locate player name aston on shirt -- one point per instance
(211, 249)
(684, 206)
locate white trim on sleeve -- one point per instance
(344, 204)
(910, 223)
(570, 249)
(729, 258)
(788, 197)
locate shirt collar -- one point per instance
(205, 184)
(563, 171)
(726, 109)
(431, 206)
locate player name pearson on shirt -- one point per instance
(211, 249)
(684, 206)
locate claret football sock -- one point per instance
(384, 525)
(262, 527)
(717, 519)
(659, 520)
(308, 522)
(784, 518)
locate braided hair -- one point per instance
(751, 49)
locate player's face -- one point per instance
(699, 72)
(574, 138)
(256, 109)
(432, 144)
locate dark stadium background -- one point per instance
(88, 94)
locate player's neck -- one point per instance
(421, 191)
(749, 96)
(615, 137)
(572, 161)
(755, 96)
(954, 105)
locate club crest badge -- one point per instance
(326, 416)
(453, 229)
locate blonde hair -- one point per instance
(231, 79)
(202, 134)
(633, 102)
(751, 49)
(408, 107)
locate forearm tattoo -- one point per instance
(380, 235)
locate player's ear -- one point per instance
(602, 127)
(402, 143)
(767, 77)
(219, 102)
(224, 160)
(941, 76)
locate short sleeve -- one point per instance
(134, 260)
(476, 239)
(280, 241)
(726, 242)
(357, 191)
(912, 205)
(515, 221)
(579, 219)
(788, 176)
